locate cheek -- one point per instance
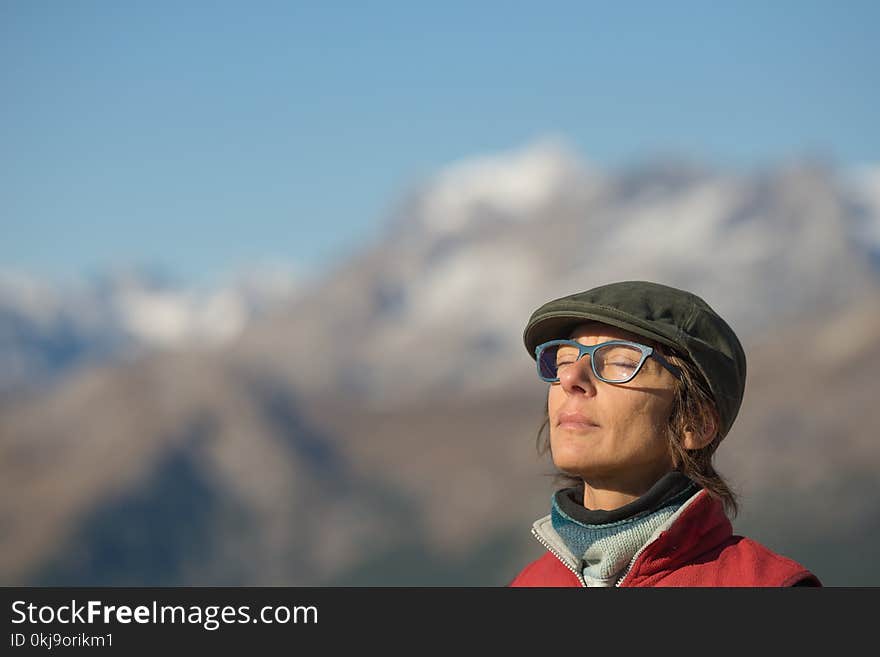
(659, 407)
(635, 418)
(651, 416)
(554, 399)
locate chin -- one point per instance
(572, 448)
(580, 461)
(572, 463)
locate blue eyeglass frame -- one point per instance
(647, 352)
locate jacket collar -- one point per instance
(700, 526)
(696, 527)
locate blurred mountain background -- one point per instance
(376, 426)
(265, 267)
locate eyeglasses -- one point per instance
(616, 361)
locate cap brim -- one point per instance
(559, 325)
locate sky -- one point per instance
(202, 137)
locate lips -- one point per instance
(575, 420)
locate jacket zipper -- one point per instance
(632, 563)
(562, 559)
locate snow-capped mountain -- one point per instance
(47, 330)
(439, 303)
(394, 395)
(466, 257)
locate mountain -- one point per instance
(378, 427)
(759, 247)
(49, 330)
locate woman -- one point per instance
(645, 382)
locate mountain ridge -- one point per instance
(379, 424)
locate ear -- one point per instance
(699, 439)
(694, 441)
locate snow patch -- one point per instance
(513, 184)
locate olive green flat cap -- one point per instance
(667, 315)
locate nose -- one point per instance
(578, 378)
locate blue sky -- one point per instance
(202, 136)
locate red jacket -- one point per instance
(697, 549)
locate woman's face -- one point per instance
(613, 436)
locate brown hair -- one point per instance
(693, 409)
